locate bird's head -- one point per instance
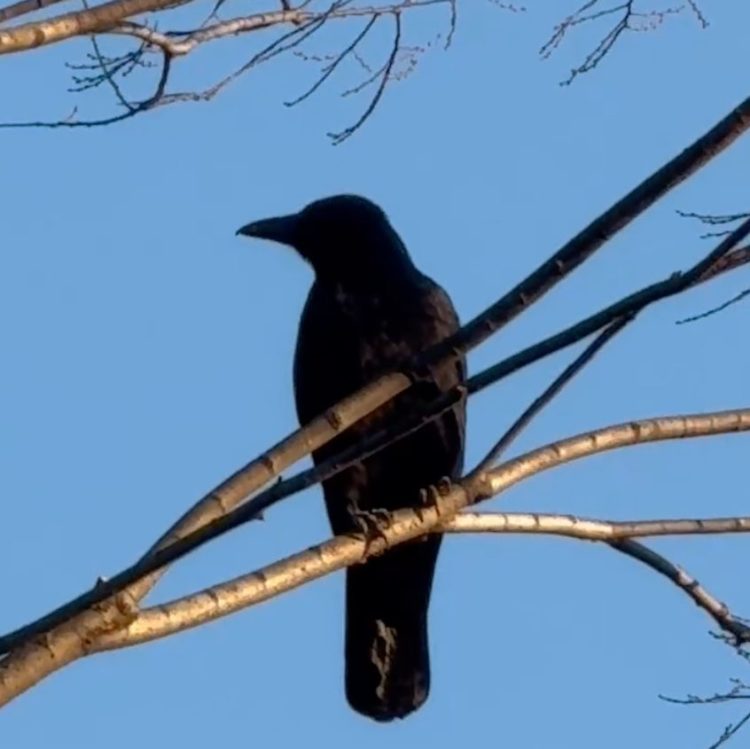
(341, 236)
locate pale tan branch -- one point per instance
(98, 19)
(589, 529)
(183, 45)
(609, 438)
(110, 17)
(29, 664)
(406, 524)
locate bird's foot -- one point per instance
(444, 486)
(434, 495)
(370, 523)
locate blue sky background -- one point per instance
(148, 354)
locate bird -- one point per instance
(369, 311)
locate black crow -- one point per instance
(370, 310)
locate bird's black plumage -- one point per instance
(370, 310)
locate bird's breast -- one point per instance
(379, 328)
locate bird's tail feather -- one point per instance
(387, 656)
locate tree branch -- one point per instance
(717, 610)
(588, 529)
(406, 524)
(23, 7)
(74, 639)
(109, 15)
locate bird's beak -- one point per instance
(282, 229)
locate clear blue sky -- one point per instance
(147, 354)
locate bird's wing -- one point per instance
(326, 359)
(339, 352)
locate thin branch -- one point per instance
(627, 20)
(340, 137)
(714, 219)
(109, 75)
(331, 68)
(132, 108)
(553, 390)
(23, 7)
(609, 438)
(730, 731)
(740, 691)
(588, 529)
(736, 298)
(718, 611)
(285, 42)
(182, 43)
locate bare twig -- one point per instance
(731, 730)
(714, 310)
(133, 108)
(341, 136)
(715, 219)
(331, 67)
(627, 19)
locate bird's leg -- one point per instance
(370, 524)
